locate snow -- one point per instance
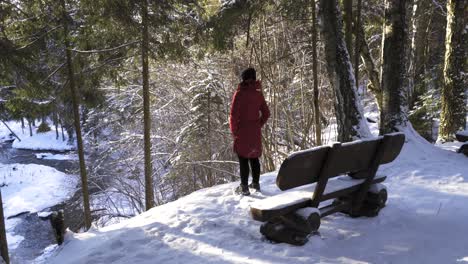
(50, 156)
(42, 141)
(463, 133)
(307, 211)
(31, 188)
(452, 146)
(39, 141)
(424, 222)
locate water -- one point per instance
(38, 233)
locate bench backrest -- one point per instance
(304, 167)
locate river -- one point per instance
(38, 233)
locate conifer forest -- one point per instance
(139, 92)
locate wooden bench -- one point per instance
(293, 215)
(462, 136)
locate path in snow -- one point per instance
(424, 222)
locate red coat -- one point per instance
(249, 112)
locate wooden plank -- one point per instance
(354, 158)
(334, 208)
(396, 144)
(346, 191)
(301, 168)
(289, 201)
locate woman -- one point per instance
(249, 112)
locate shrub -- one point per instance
(43, 127)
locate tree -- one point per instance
(452, 116)
(348, 109)
(155, 33)
(358, 43)
(348, 25)
(394, 109)
(149, 194)
(369, 65)
(3, 239)
(76, 115)
(318, 125)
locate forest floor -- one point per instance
(424, 222)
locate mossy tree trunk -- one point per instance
(452, 116)
(348, 109)
(348, 25)
(393, 115)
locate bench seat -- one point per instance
(300, 197)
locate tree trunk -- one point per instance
(417, 58)
(3, 239)
(63, 133)
(149, 196)
(318, 125)
(371, 69)
(393, 115)
(348, 24)
(30, 128)
(76, 115)
(358, 45)
(348, 109)
(453, 114)
(56, 126)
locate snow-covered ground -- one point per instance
(51, 156)
(31, 188)
(39, 141)
(425, 221)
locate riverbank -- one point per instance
(33, 182)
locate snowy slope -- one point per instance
(425, 221)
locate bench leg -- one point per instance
(374, 201)
(293, 228)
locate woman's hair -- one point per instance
(249, 74)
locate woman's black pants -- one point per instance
(244, 169)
